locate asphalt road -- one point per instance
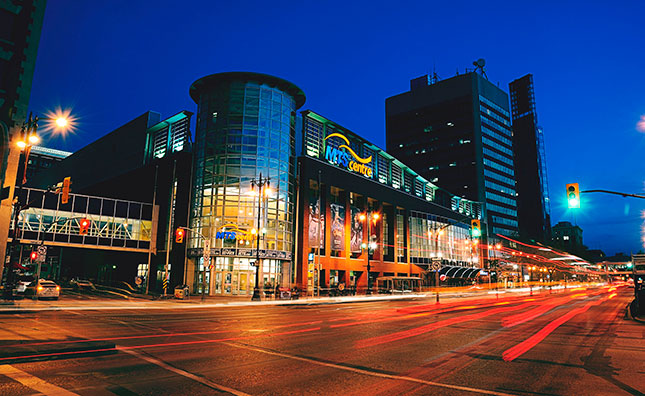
(577, 342)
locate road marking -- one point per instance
(35, 383)
(184, 373)
(367, 372)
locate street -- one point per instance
(573, 342)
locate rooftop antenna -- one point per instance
(479, 65)
(435, 77)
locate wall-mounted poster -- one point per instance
(337, 226)
(357, 231)
(316, 225)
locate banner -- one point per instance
(357, 231)
(337, 226)
(316, 229)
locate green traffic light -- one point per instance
(573, 195)
(476, 233)
(574, 203)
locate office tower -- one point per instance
(533, 209)
(456, 133)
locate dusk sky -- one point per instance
(110, 61)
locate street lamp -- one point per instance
(263, 185)
(27, 138)
(370, 245)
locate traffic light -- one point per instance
(179, 235)
(476, 227)
(84, 226)
(65, 194)
(34, 255)
(573, 195)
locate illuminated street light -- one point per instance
(263, 184)
(370, 246)
(25, 140)
(61, 122)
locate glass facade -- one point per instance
(433, 237)
(384, 168)
(245, 128)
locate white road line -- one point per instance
(371, 373)
(186, 374)
(35, 383)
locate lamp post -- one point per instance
(370, 245)
(27, 139)
(531, 269)
(436, 233)
(263, 185)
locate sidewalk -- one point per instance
(88, 302)
(101, 303)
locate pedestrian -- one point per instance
(277, 291)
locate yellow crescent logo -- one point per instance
(236, 229)
(346, 147)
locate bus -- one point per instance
(398, 284)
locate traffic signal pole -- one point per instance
(615, 192)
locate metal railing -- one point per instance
(113, 224)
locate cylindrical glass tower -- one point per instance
(245, 127)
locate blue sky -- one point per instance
(112, 60)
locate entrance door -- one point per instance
(228, 278)
(218, 283)
(244, 283)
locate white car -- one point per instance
(47, 289)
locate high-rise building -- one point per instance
(456, 133)
(20, 25)
(533, 209)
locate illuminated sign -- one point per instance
(347, 158)
(231, 232)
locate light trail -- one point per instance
(370, 342)
(526, 345)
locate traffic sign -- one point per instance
(207, 251)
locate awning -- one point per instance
(459, 272)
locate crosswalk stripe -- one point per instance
(33, 382)
(185, 373)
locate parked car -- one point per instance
(44, 289)
(22, 283)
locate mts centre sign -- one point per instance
(345, 157)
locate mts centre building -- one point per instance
(336, 209)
